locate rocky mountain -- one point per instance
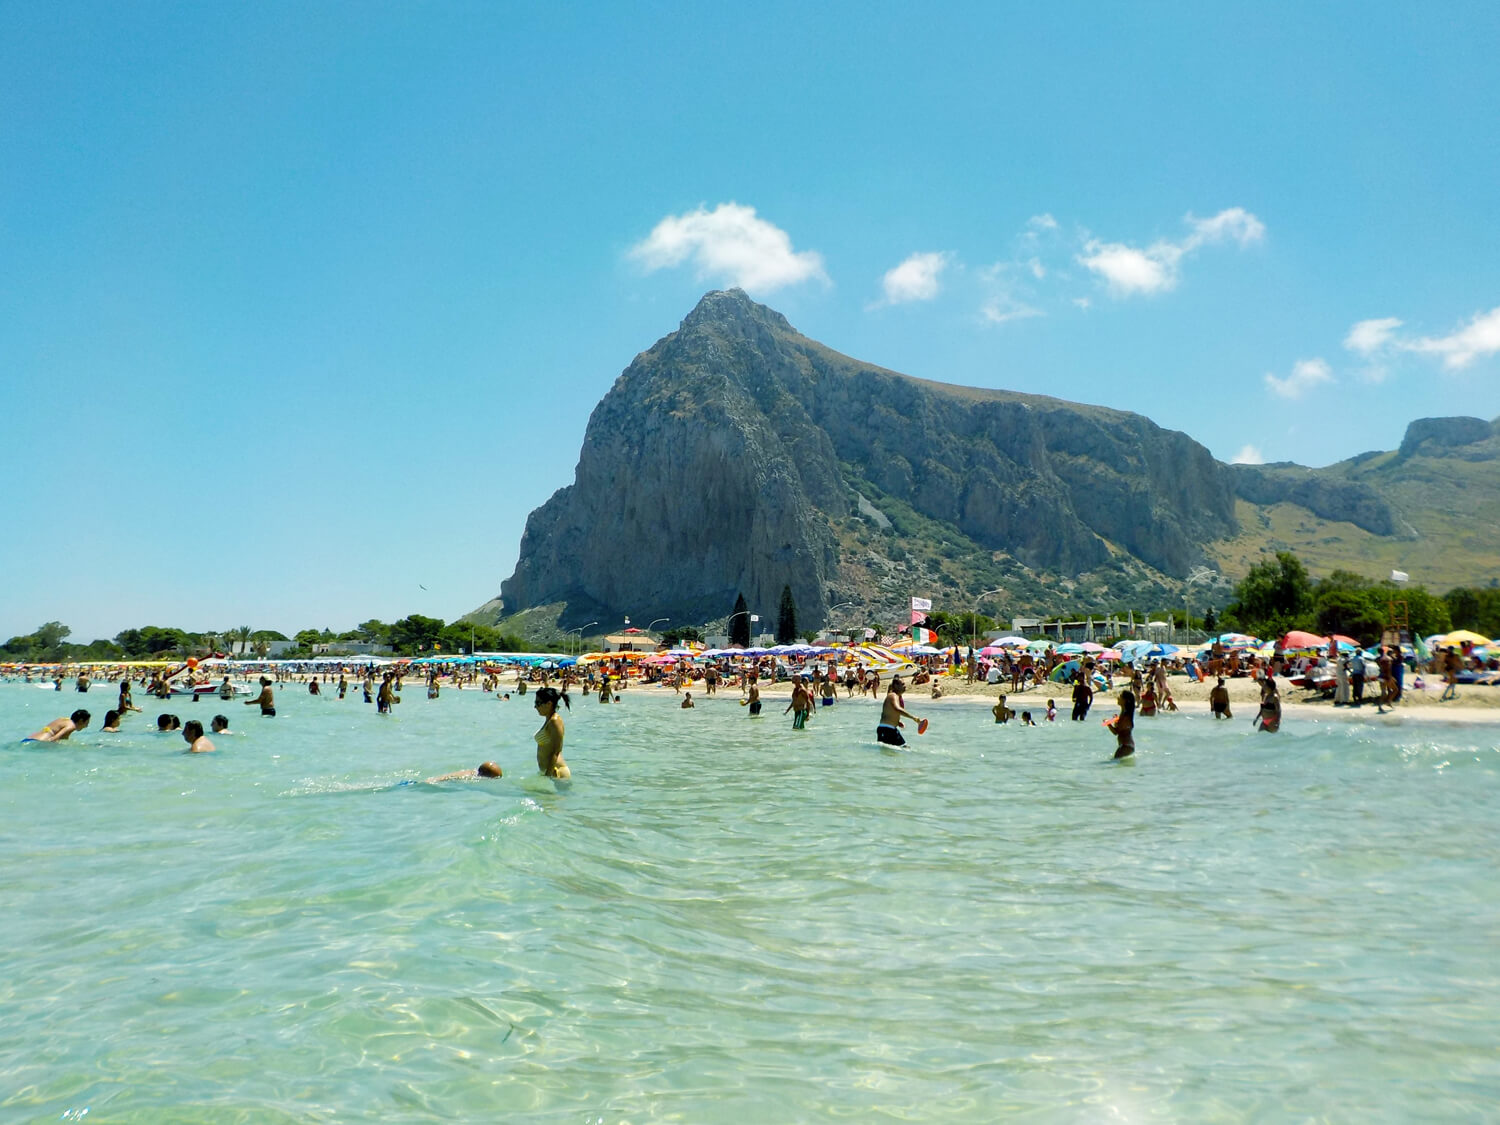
(737, 455)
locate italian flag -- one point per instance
(922, 636)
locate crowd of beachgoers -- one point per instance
(1152, 679)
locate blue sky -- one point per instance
(305, 307)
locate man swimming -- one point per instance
(59, 730)
(192, 734)
(484, 769)
(891, 713)
(1218, 701)
(266, 699)
(801, 704)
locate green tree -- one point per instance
(1210, 621)
(1476, 608)
(676, 635)
(374, 632)
(786, 618)
(416, 634)
(1274, 597)
(1348, 603)
(739, 623)
(157, 640)
(50, 637)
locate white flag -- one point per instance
(1399, 576)
(755, 617)
(923, 604)
(869, 634)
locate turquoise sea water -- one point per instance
(726, 920)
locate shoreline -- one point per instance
(1415, 706)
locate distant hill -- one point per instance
(1430, 508)
(737, 455)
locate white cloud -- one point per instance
(1371, 336)
(1082, 302)
(916, 279)
(1248, 455)
(1004, 307)
(1306, 374)
(1130, 270)
(730, 243)
(1038, 270)
(1234, 223)
(1044, 221)
(1480, 337)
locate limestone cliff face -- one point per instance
(1319, 492)
(1446, 434)
(722, 457)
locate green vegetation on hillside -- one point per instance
(1278, 595)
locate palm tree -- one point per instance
(242, 635)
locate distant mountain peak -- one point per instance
(722, 307)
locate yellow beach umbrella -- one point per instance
(1462, 636)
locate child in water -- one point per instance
(1026, 719)
(1123, 726)
(1051, 711)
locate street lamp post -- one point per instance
(834, 609)
(974, 617)
(657, 621)
(579, 630)
(1200, 574)
(732, 616)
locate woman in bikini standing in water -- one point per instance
(549, 740)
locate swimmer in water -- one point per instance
(165, 724)
(801, 704)
(220, 725)
(192, 734)
(484, 769)
(891, 713)
(111, 723)
(1002, 713)
(1123, 726)
(549, 739)
(687, 701)
(59, 730)
(1218, 701)
(1269, 718)
(752, 699)
(266, 699)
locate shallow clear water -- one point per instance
(726, 920)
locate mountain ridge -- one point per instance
(740, 456)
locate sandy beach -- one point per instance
(1473, 705)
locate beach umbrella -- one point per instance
(1011, 642)
(1091, 646)
(1461, 636)
(1297, 639)
(1109, 654)
(1238, 640)
(1063, 671)
(1041, 644)
(1070, 648)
